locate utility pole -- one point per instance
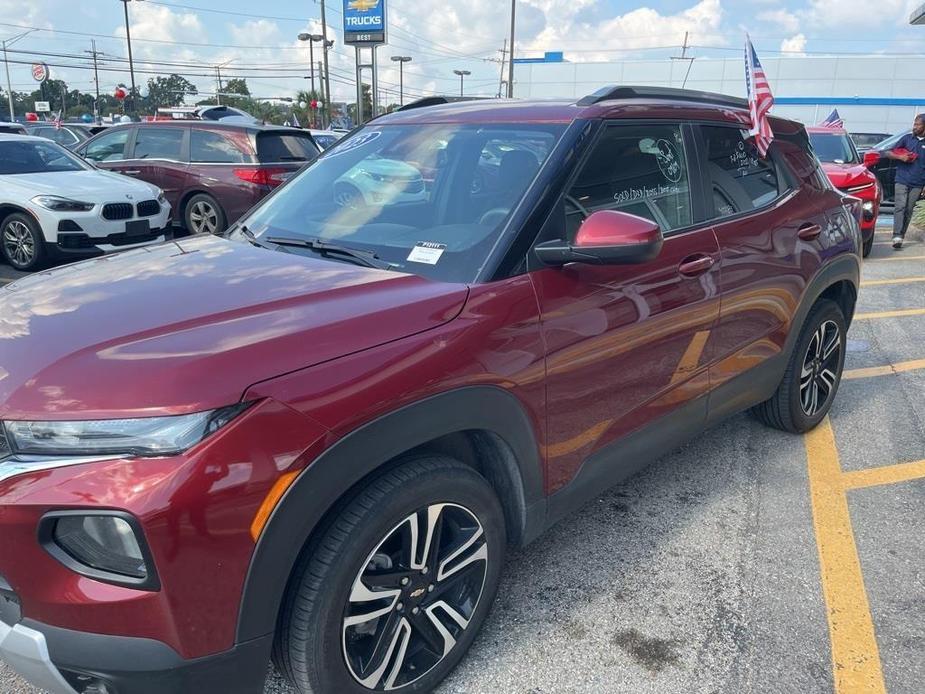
(683, 56)
(503, 59)
(510, 65)
(327, 75)
(321, 91)
(96, 82)
(9, 86)
(131, 62)
(218, 85)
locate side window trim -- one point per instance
(781, 171)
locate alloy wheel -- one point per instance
(414, 597)
(203, 218)
(819, 376)
(19, 243)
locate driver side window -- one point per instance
(110, 147)
(637, 169)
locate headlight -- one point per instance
(161, 198)
(59, 204)
(146, 437)
(868, 206)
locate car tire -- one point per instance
(22, 242)
(203, 215)
(323, 642)
(807, 391)
(868, 245)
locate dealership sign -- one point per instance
(364, 22)
(40, 72)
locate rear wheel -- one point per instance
(392, 594)
(203, 215)
(22, 242)
(811, 380)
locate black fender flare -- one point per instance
(356, 455)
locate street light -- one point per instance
(462, 76)
(401, 60)
(311, 38)
(9, 86)
(128, 37)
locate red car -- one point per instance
(850, 173)
(211, 172)
(319, 437)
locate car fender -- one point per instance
(353, 457)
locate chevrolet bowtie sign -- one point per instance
(364, 22)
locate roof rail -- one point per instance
(436, 101)
(613, 92)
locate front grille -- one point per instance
(118, 210)
(149, 208)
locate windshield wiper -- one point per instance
(249, 235)
(323, 248)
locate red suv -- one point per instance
(211, 172)
(850, 172)
(319, 437)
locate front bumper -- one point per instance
(62, 661)
(26, 651)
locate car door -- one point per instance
(769, 225)
(161, 157)
(109, 150)
(629, 344)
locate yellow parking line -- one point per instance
(889, 474)
(903, 280)
(888, 370)
(855, 654)
(891, 258)
(901, 313)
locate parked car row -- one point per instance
(316, 439)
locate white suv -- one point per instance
(53, 204)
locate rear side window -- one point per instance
(740, 179)
(109, 147)
(637, 169)
(159, 143)
(276, 147)
(212, 147)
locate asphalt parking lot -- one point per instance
(750, 560)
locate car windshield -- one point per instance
(29, 157)
(427, 199)
(834, 148)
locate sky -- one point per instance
(258, 40)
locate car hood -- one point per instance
(87, 186)
(848, 175)
(190, 325)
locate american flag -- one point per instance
(834, 121)
(760, 99)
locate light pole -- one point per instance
(462, 76)
(401, 60)
(510, 65)
(9, 86)
(327, 75)
(312, 38)
(131, 62)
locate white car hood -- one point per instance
(86, 186)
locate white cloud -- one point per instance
(858, 13)
(795, 44)
(787, 21)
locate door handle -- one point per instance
(133, 172)
(696, 265)
(809, 232)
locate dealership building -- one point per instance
(873, 93)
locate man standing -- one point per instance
(910, 177)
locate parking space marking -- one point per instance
(889, 474)
(881, 283)
(855, 654)
(889, 370)
(901, 313)
(893, 258)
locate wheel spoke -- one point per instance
(423, 624)
(833, 344)
(448, 639)
(827, 378)
(421, 542)
(390, 639)
(479, 553)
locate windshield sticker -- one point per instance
(426, 252)
(355, 142)
(667, 156)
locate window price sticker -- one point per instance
(426, 252)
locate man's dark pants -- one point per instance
(906, 197)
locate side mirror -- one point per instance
(871, 159)
(607, 237)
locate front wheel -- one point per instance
(392, 595)
(808, 389)
(22, 242)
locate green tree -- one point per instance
(167, 91)
(367, 106)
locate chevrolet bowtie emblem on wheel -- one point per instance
(418, 593)
(363, 5)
